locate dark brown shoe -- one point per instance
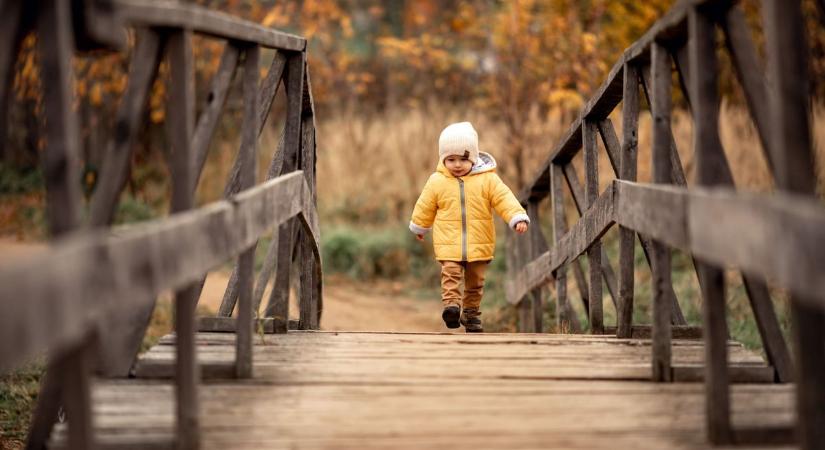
(471, 321)
(451, 316)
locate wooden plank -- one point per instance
(128, 123)
(228, 325)
(589, 229)
(627, 171)
(643, 332)
(215, 102)
(662, 303)
(202, 20)
(246, 260)
(130, 265)
(594, 251)
(711, 169)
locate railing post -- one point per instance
(594, 253)
(793, 162)
(537, 246)
(559, 230)
(627, 171)
(246, 260)
(710, 165)
(181, 115)
(662, 303)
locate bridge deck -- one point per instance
(396, 390)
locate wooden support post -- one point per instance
(55, 37)
(711, 171)
(594, 253)
(745, 61)
(311, 279)
(537, 246)
(13, 27)
(792, 156)
(246, 261)
(662, 303)
(627, 171)
(181, 114)
(559, 229)
(76, 367)
(61, 157)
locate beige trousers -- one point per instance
(453, 273)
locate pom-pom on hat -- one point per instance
(458, 139)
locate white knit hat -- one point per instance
(458, 139)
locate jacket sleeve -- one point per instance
(423, 214)
(505, 203)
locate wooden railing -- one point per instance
(779, 237)
(87, 299)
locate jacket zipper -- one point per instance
(463, 220)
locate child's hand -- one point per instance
(521, 227)
(420, 237)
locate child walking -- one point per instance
(457, 204)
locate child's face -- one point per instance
(458, 165)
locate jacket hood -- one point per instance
(485, 163)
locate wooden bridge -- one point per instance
(217, 384)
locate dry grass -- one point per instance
(371, 167)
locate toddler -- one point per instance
(457, 203)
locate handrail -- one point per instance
(89, 296)
(169, 14)
(778, 238)
(109, 269)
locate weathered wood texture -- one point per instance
(530, 391)
(792, 156)
(627, 171)
(711, 170)
(660, 107)
(202, 20)
(594, 250)
(140, 261)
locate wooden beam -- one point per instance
(712, 170)
(538, 245)
(181, 114)
(202, 20)
(791, 147)
(246, 260)
(611, 142)
(128, 123)
(594, 252)
(577, 192)
(215, 103)
(627, 171)
(662, 303)
(748, 69)
(132, 265)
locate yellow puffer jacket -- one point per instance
(460, 211)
